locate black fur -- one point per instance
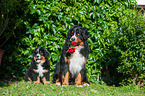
(62, 67)
(46, 65)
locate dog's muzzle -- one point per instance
(38, 56)
(72, 39)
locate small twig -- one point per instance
(4, 42)
(5, 25)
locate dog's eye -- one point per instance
(72, 32)
(77, 32)
(40, 51)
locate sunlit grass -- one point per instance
(24, 88)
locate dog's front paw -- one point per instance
(79, 85)
(46, 82)
(58, 83)
(64, 85)
(38, 81)
(86, 84)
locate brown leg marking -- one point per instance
(46, 71)
(34, 70)
(38, 80)
(83, 83)
(44, 81)
(67, 60)
(78, 79)
(65, 79)
(57, 81)
(85, 61)
(29, 79)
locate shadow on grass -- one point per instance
(4, 84)
(6, 81)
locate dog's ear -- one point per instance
(34, 52)
(46, 53)
(85, 34)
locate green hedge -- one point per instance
(116, 41)
(131, 46)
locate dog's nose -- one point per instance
(72, 39)
(37, 56)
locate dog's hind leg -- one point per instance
(27, 78)
(84, 77)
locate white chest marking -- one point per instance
(76, 61)
(40, 70)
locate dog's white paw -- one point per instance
(64, 85)
(79, 86)
(57, 83)
(86, 84)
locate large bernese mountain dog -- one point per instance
(71, 67)
(39, 68)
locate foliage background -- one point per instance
(116, 41)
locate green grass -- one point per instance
(24, 88)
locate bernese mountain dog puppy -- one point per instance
(39, 68)
(71, 67)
